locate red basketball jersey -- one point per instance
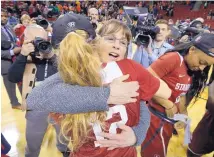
(172, 69)
(126, 114)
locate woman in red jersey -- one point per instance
(183, 69)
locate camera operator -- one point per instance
(94, 17)
(156, 48)
(7, 52)
(35, 63)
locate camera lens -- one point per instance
(43, 46)
(143, 39)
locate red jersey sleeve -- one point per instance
(149, 84)
(166, 64)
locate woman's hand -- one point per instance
(124, 139)
(123, 92)
(171, 111)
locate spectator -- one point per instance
(93, 14)
(7, 34)
(155, 10)
(12, 21)
(209, 16)
(205, 5)
(45, 11)
(19, 28)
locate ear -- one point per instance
(192, 49)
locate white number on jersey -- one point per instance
(113, 127)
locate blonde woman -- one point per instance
(79, 64)
(20, 28)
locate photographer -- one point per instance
(94, 16)
(8, 50)
(156, 48)
(35, 63)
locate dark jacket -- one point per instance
(6, 58)
(16, 71)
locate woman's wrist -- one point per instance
(170, 107)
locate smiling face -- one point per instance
(113, 42)
(197, 59)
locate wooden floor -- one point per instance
(13, 127)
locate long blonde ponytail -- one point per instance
(79, 65)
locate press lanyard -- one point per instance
(46, 69)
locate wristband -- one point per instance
(171, 107)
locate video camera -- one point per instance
(42, 22)
(42, 45)
(145, 24)
(187, 29)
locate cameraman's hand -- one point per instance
(184, 39)
(17, 50)
(149, 47)
(27, 48)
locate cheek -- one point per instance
(123, 52)
(194, 61)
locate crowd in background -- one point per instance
(107, 9)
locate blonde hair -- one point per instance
(78, 64)
(25, 17)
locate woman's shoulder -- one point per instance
(174, 56)
(129, 64)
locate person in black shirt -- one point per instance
(203, 136)
(45, 66)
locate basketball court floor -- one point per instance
(13, 128)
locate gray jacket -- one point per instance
(53, 95)
(6, 59)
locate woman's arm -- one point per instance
(141, 129)
(53, 95)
